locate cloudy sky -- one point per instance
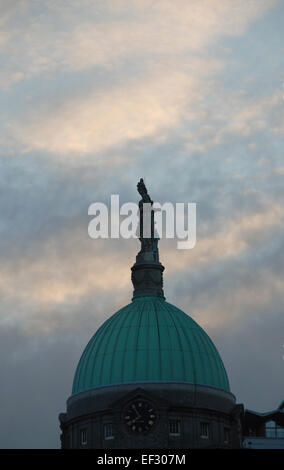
(94, 95)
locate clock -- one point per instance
(139, 416)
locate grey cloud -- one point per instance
(230, 172)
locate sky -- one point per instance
(94, 95)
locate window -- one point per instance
(226, 435)
(174, 427)
(204, 430)
(83, 437)
(108, 431)
(272, 430)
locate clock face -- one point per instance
(139, 416)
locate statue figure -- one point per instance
(147, 272)
(150, 243)
(142, 190)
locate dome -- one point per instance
(150, 340)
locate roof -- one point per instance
(150, 340)
(257, 417)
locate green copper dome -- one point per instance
(150, 340)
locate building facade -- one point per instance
(264, 430)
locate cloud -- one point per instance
(226, 293)
(103, 33)
(231, 241)
(61, 37)
(65, 268)
(56, 279)
(233, 116)
(37, 378)
(156, 30)
(252, 354)
(159, 60)
(95, 95)
(101, 120)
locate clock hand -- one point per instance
(138, 415)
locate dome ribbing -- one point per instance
(150, 340)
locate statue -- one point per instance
(148, 244)
(147, 272)
(142, 190)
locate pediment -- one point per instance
(141, 393)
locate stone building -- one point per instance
(150, 377)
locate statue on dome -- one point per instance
(142, 190)
(148, 244)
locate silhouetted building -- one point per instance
(150, 377)
(264, 430)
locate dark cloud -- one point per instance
(200, 119)
(253, 355)
(36, 379)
